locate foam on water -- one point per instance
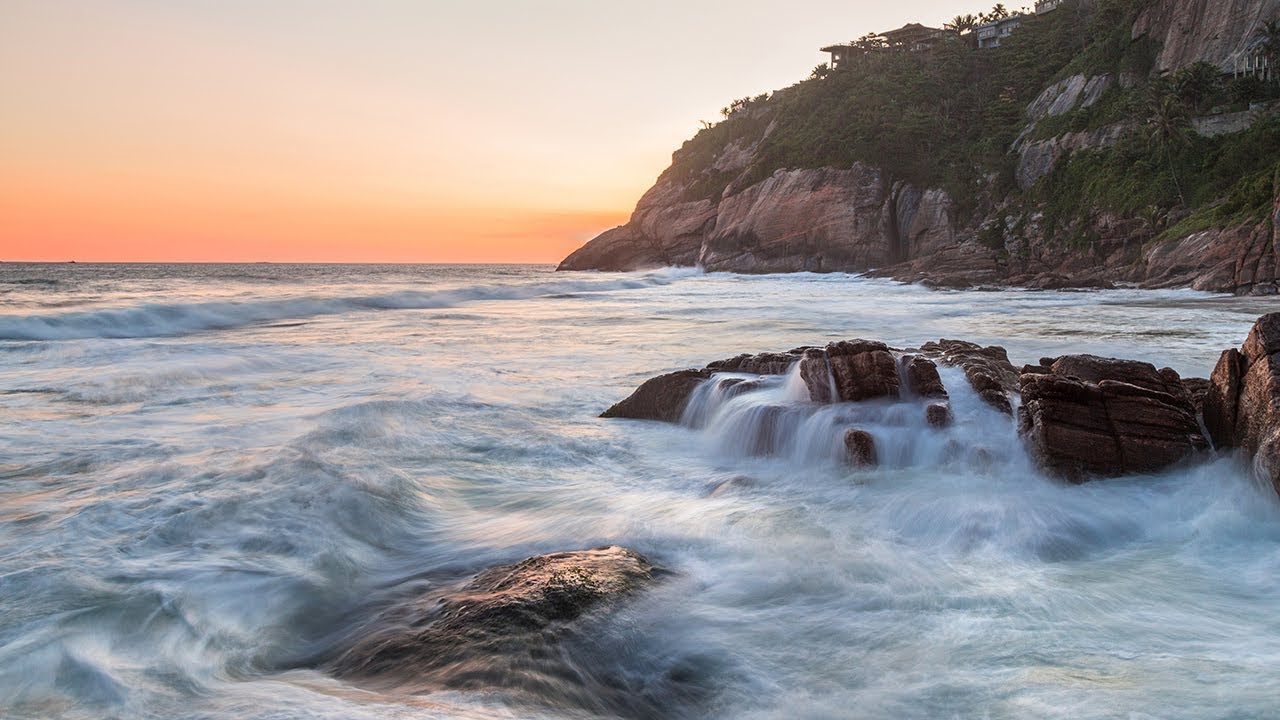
(195, 503)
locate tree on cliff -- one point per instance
(999, 12)
(1168, 126)
(962, 23)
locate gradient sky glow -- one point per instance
(386, 130)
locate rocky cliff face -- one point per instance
(818, 220)
(1212, 31)
(859, 218)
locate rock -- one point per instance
(860, 448)
(1241, 260)
(661, 398)
(1092, 368)
(1066, 95)
(816, 220)
(988, 369)
(1242, 408)
(488, 631)
(1037, 159)
(922, 377)
(816, 373)
(1098, 417)
(1222, 397)
(863, 370)
(762, 364)
(1212, 31)
(768, 419)
(732, 485)
(1197, 389)
(938, 414)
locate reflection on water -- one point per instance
(206, 473)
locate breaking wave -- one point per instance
(175, 319)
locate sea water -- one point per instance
(208, 473)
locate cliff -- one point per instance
(1034, 164)
(1211, 31)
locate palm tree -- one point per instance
(1197, 83)
(1168, 126)
(999, 12)
(962, 23)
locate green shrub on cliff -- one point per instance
(948, 118)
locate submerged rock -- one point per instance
(860, 448)
(938, 414)
(491, 631)
(1090, 416)
(1242, 406)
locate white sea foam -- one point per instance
(186, 525)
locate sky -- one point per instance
(372, 130)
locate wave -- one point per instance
(173, 319)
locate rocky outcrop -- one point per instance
(988, 369)
(922, 377)
(815, 220)
(1242, 406)
(862, 370)
(1243, 259)
(1037, 159)
(802, 220)
(1070, 94)
(483, 633)
(662, 398)
(713, 207)
(1084, 416)
(1212, 31)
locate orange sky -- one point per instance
(381, 131)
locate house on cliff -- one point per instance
(991, 34)
(912, 37)
(1253, 61)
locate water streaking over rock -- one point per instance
(200, 518)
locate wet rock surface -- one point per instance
(499, 629)
(662, 398)
(1081, 416)
(1088, 416)
(1242, 403)
(860, 448)
(987, 368)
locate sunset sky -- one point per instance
(380, 130)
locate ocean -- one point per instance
(210, 472)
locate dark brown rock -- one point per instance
(1242, 406)
(1092, 368)
(662, 398)
(988, 369)
(860, 448)
(938, 414)
(1086, 424)
(1221, 399)
(922, 377)
(816, 373)
(1197, 389)
(487, 632)
(864, 375)
(762, 364)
